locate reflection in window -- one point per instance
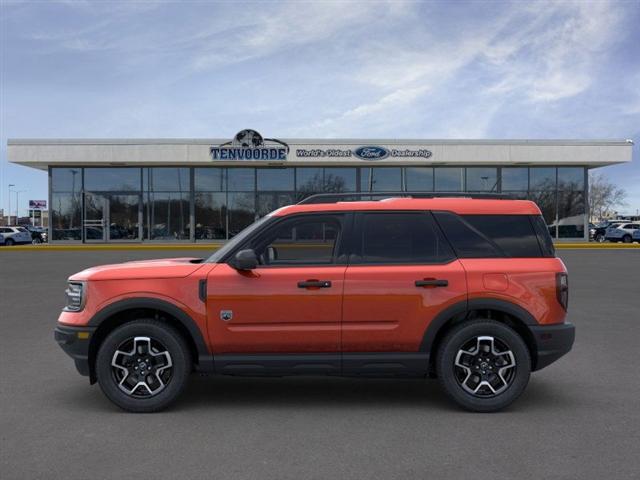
(268, 202)
(482, 179)
(546, 202)
(210, 216)
(419, 179)
(240, 210)
(515, 178)
(570, 178)
(166, 179)
(542, 178)
(275, 179)
(66, 180)
(124, 217)
(241, 179)
(381, 179)
(449, 179)
(571, 214)
(66, 216)
(112, 179)
(338, 180)
(167, 216)
(309, 181)
(209, 179)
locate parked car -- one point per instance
(38, 234)
(636, 235)
(1, 239)
(622, 232)
(15, 235)
(466, 290)
(599, 232)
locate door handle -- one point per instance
(315, 284)
(432, 282)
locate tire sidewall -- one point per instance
(175, 345)
(462, 334)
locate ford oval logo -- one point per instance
(371, 153)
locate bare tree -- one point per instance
(604, 196)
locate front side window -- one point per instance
(309, 240)
(399, 237)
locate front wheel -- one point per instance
(483, 365)
(626, 239)
(599, 238)
(9, 242)
(143, 366)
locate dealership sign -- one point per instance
(250, 145)
(365, 152)
(38, 204)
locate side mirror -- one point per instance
(245, 260)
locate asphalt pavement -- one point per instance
(579, 418)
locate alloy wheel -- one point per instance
(141, 367)
(485, 366)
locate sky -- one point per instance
(373, 69)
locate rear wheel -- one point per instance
(483, 365)
(626, 239)
(143, 366)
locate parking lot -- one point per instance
(579, 418)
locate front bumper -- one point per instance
(552, 342)
(75, 343)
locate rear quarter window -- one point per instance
(496, 236)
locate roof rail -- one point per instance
(376, 196)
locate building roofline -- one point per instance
(317, 141)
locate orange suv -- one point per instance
(467, 290)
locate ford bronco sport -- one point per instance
(467, 290)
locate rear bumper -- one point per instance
(552, 342)
(75, 343)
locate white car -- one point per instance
(623, 232)
(15, 235)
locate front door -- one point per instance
(291, 303)
(111, 217)
(401, 275)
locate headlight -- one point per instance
(75, 297)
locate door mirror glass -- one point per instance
(245, 260)
(272, 254)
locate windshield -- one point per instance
(237, 240)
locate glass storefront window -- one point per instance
(167, 216)
(210, 216)
(338, 180)
(209, 179)
(571, 178)
(241, 179)
(515, 178)
(112, 179)
(449, 179)
(482, 179)
(381, 179)
(309, 181)
(571, 214)
(66, 180)
(542, 178)
(419, 179)
(66, 216)
(166, 179)
(268, 202)
(546, 201)
(275, 179)
(240, 210)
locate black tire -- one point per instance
(599, 238)
(450, 375)
(36, 241)
(626, 239)
(9, 242)
(176, 376)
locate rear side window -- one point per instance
(399, 237)
(495, 236)
(544, 238)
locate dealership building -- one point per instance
(204, 190)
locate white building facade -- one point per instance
(191, 190)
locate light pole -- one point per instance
(9, 212)
(18, 192)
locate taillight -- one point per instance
(562, 289)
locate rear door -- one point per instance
(402, 273)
